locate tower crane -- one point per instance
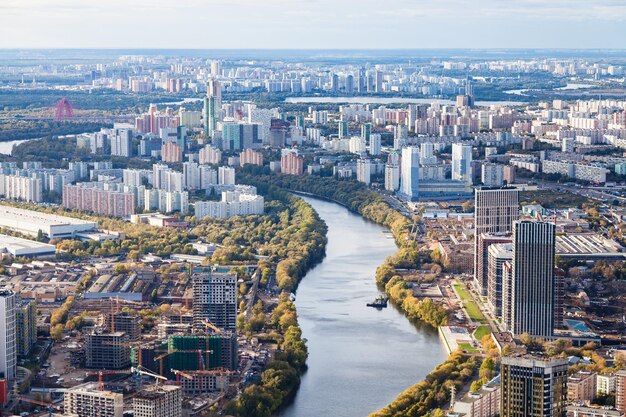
(50, 406)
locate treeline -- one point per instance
(360, 199)
(422, 398)
(281, 379)
(28, 129)
(50, 150)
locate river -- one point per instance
(360, 358)
(7, 147)
(392, 100)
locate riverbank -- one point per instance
(458, 369)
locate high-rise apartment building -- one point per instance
(292, 164)
(392, 177)
(171, 152)
(462, 162)
(409, 173)
(87, 401)
(212, 107)
(8, 339)
(375, 144)
(533, 387)
(531, 295)
(210, 155)
(620, 391)
(238, 136)
(226, 176)
(215, 299)
(498, 254)
(581, 387)
(495, 210)
(92, 197)
(25, 326)
(364, 170)
(158, 401)
(251, 157)
(125, 322)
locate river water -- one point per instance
(360, 358)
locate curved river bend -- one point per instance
(360, 358)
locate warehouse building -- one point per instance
(24, 247)
(30, 222)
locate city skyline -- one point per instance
(278, 24)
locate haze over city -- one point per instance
(312, 24)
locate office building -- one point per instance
(495, 210)
(531, 295)
(409, 173)
(158, 401)
(462, 162)
(292, 164)
(87, 400)
(107, 350)
(25, 326)
(215, 299)
(533, 386)
(8, 336)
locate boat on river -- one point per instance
(379, 302)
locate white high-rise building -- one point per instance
(8, 347)
(191, 176)
(364, 170)
(375, 144)
(226, 175)
(492, 175)
(409, 178)
(462, 162)
(392, 177)
(427, 154)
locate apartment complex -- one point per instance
(15, 187)
(292, 164)
(25, 326)
(92, 197)
(107, 350)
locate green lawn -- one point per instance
(481, 332)
(468, 302)
(467, 347)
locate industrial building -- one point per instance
(30, 222)
(87, 401)
(23, 247)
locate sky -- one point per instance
(312, 24)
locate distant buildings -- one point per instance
(392, 177)
(364, 170)
(252, 157)
(210, 155)
(171, 152)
